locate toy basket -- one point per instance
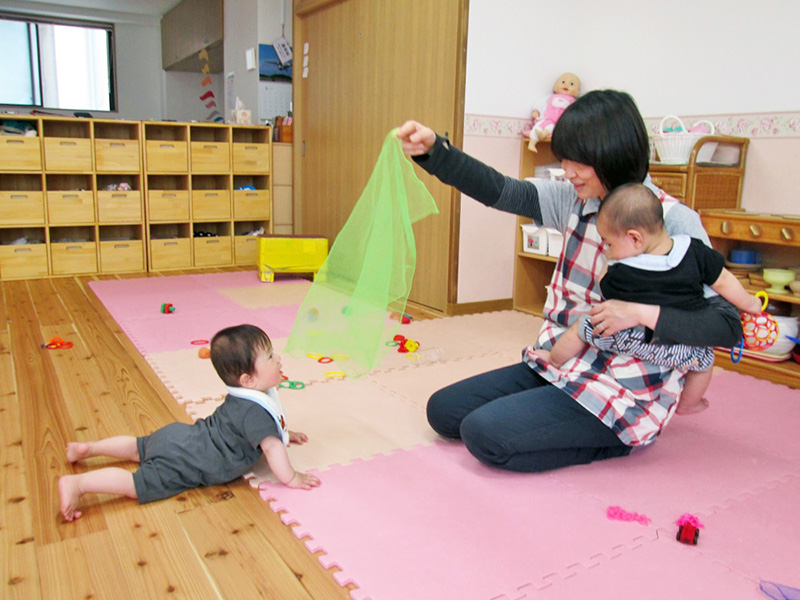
(674, 145)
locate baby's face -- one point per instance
(267, 372)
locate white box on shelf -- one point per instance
(534, 239)
(555, 239)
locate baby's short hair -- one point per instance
(632, 206)
(234, 351)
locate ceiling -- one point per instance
(138, 7)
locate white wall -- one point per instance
(271, 14)
(679, 57)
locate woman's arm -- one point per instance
(467, 174)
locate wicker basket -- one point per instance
(675, 146)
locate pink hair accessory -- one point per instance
(687, 519)
(620, 514)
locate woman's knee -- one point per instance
(441, 414)
(482, 440)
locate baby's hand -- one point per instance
(542, 354)
(303, 481)
(296, 437)
(756, 305)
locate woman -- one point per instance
(531, 416)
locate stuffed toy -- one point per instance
(546, 114)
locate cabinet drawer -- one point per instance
(121, 256)
(251, 158)
(119, 206)
(22, 207)
(211, 204)
(211, 157)
(765, 232)
(171, 254)
(672, 183)
(70, 207)
(166, 156)
(168, 205)
(119, 156)
(67, 154)
(20, 153)
(251, 204)
(73, 257)
(213, 251)
(19, 262)
(245, 249)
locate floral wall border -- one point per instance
(752, 125)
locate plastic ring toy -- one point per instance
(199, 342)
(335, 374)
(292, 385)
(325, 360)
(735, 359)
(314, 355)
(764, 299)
(57, 343)
(392, 343)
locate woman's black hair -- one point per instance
(604, 130)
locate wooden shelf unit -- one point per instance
(532, 272)
(705, 185)
(182, 205)
(777, 238)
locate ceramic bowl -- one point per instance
(783, 345)
(795, 286)
(778, 279)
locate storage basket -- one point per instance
(674, 146)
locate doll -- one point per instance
(565, 91)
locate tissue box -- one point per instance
(555, 240)
(534, 239)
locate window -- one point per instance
(60, 64)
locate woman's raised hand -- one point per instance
(416, 138)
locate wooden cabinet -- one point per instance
(777, 239)
(116, 196)
(283, 197)
(706, 185)
(192, 26)
(532, 272)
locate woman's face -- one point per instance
(584, 180)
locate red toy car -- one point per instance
(688, 534)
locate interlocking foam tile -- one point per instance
(754, 411)
(348, 420)
(416, 387)
(228, 279)
(201, 410)
(468, 335)
(661, 570)
(276, 293)
(177, 331)
(189, 379)
(432, 522)
(128, 299)
(686, 470)
(757, 534)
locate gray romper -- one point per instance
(212, 451)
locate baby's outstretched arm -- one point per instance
(278, 461)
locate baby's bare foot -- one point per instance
(77, 451)
(692, 409)
(70, 494)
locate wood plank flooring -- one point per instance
(216, 542)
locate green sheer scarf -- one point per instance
(368, 271)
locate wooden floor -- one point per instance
(217, 542)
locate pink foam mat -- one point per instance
(411, 507)
(177, 331)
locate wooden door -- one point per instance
(371, 65)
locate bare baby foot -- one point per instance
(77, 451)
(692, 409)
(70, 494)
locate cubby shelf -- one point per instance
(113, 196)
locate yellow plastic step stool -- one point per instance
(290, 254)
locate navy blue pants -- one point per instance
(513, 419)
